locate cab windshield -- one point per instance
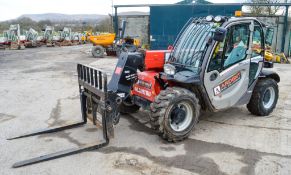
(191, 45)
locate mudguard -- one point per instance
(269, 74)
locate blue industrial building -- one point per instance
(167, 21)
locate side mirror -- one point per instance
(268, 64)
(219, 34)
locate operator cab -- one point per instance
(222, 55)
(224, 41)
(189, 49)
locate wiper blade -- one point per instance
(175, 63)
(179, 64)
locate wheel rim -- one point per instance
(98, 51)
(181, 116)
(268, 97)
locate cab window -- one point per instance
(232, 50)
(257, 40)
(269, 36)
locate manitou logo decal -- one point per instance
(227, 83)
(143, 91)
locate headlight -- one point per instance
(169, 69)
(209, 18)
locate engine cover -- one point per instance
(146, 86)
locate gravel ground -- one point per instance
(38, 89)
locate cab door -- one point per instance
(257, 56)
(226, 77)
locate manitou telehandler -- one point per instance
(211, 66)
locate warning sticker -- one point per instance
(217, 90)
(118, 70)
(227, 83)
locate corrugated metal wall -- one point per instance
(167, 21)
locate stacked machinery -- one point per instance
(12, 38)
(31, 38)
(46, 37)
(65, 36)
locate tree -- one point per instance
(264, 10)
(43, 23)
(104, 25)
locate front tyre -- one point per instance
(264, 97)
(97, 51)
(174, 113)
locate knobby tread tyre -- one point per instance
(255, 105)
(159, 117)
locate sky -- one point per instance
(11, 9)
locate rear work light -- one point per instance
(219, 18)
(209, 18)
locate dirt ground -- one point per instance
(38, 89)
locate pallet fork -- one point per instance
(94, 98)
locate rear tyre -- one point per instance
(97, 51)
(174, 113)
(264, 97)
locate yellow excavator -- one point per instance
(270, 55)
(275, 57)
(112, 44)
